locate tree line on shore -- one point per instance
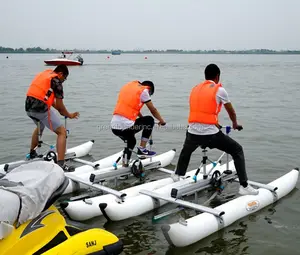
(169, 51)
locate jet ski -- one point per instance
(31, 225)
(48, 234)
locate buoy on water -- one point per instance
(146, 57)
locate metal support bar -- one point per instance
(165, 170)
(164, 214)
(218, 161)
(74, 178)
(152, 165)
(86, 162)
(84, 195)
(183, 203)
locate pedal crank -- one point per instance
(216, 180)
(137, 169)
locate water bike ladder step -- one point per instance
(193, 187)
(74, 178)
(183, 203)
(95, 178)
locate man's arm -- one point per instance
(59, 105)
(155, 112)
(146, 99)
(222, 96)
(231, 113)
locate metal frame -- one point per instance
(96, 178)
(77, 179)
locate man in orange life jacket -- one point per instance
(45, 91)
(125, 122)
(206, 100)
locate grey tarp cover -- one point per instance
(9, 212)
(40, 179)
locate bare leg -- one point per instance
(34, 140)
(61, 143)
(143, 144)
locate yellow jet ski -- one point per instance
(49, 234)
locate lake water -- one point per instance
(264, 90)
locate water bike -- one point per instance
(79, 207)
(74, 153)
(211, 177)
(210, 220)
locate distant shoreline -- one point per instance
(38, 50)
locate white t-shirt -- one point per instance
(121, 122)
(208, 129)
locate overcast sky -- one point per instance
(151, 24)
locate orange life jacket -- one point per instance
(129, 101)
(203, 106)
(40, 87)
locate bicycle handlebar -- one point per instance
(228, 128)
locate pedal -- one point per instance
(227, 172)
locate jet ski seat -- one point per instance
(57, 193)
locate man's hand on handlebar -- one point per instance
(161, 123)
(236, 126)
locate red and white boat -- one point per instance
(63, 59)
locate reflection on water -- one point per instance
(237, 244)
(138, 236)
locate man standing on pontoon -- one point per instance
(125, 122)
(45, 91)
(206, 100)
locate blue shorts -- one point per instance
(44, 120)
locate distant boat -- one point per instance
(77, 61)
(116, 52)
